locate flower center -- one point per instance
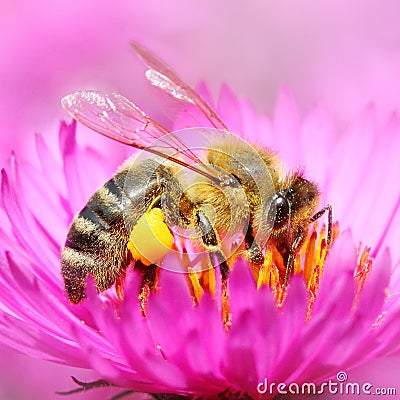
(309, 262)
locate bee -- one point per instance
(239, 188)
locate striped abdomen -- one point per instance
(97, 240)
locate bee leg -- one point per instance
(292, 251)
(319, 214)
(253, 249)
(150, 275)
(210, 242)
(300, 236)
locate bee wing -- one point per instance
(116, 117)
(164, 77)
(113, 116)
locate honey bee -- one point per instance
(240, 189)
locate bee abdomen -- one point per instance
(75, 267)
(93, 251)
(97, 242)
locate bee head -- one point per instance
(294, 205)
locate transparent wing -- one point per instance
(164, 77)
(114, 116)
(118, 118)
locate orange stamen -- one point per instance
(196, 286)
(309, 258)
(364, 265)
(226, 310)
(119, 287)
(144, 299)
(309, 262)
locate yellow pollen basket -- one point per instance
(150, 239)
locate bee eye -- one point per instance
(279, 210)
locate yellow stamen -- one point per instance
(297, 266)
(197, 289)
(264, 275)
(275, 276)
(313, 285)
(309, 261)
(226, 310)
(210, 274)
(278, 260)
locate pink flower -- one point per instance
(182, 349)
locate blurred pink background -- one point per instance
(343, 53)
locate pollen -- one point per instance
(309, 263)
(150, 239)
